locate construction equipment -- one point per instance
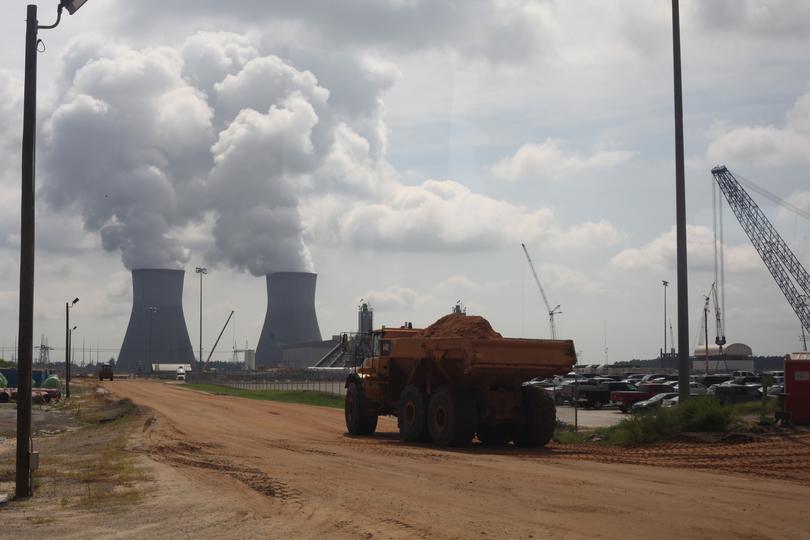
(447, 387)
(787, 271)
(551, 311)
(205, 366)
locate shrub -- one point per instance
(697, 414)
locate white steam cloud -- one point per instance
(149, 142)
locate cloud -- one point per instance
(392, 298)
(444, 215)
(773, 17)
(267, 158)
(765, 146)
(502, 31)
(558, 277)
(660, 253)
(548, 161)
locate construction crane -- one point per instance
(551, 311)
(205, 366)
(787, 271)
(719, 331)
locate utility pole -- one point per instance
(680, 212)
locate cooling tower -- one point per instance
(157, 327)
(290, 315)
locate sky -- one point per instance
(403, 150)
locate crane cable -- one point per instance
(772, 197)
(719, 258)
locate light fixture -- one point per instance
(74, 301)
(72, 5)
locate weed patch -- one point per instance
(703, 414)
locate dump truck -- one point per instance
(449, 388)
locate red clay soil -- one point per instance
(781, 455)
(456, 325)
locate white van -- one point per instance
(181, 373)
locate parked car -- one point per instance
(735, 393)
(750, 380)
(775, 390)
(695, 389)
(653, 402)
(595, 397)
(717, 378)
(626, 399)
(742, 374)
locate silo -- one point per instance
(290, 316)
(365, 319)
(157, 328)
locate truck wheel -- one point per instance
(540, 419)
(497, 435)
(359, 421)
(412, 415)
(451, 417)
(597, 405)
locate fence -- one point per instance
(331, 384)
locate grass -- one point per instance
(704, 414)
(90, 468)
(321, 399)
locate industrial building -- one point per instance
(733, 357)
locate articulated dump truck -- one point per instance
(449, 388)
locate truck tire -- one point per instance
(540, 418)
(597, 404)
(412, 415)
(359, 421)
(496, 435)
(451, 417)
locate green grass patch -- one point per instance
(321, 399)
(703, 414)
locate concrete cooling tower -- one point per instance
(157, 327)
(290, 315)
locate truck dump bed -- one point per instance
(493, 357)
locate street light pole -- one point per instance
(680, 213)
(68, 358)
(25, 336)
(664, 350)
(152, 311)
(202, 271)
(26, 298)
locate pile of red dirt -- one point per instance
(457, 325)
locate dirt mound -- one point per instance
(457, 325)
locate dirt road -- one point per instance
(296, 465)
